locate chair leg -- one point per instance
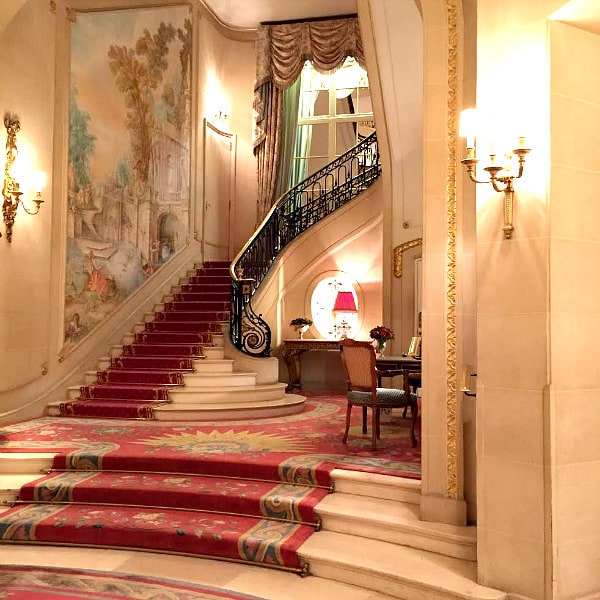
(348, 411)
(364, 420)
(414, 410)
(374, 428)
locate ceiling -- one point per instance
(584, 14)
(249, 13)
(244, 14)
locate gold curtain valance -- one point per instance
(283, 48)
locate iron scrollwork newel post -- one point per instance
(249, 332)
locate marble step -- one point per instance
(193, 381)
(392, 569)
(212, 353)
(19, 468)
(227, 394)
(288, 404)
(10, 486)
(20, 463)
(374, 485)
(395, 522)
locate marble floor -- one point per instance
(258, 581)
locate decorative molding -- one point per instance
(451, 234)
(71, 14)
(399, 254)
(53, 6)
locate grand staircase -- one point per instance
(370, 535)
(178, 366)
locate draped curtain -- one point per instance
(287, 146)
(281, 52)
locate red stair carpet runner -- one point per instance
(235, 490)
(155, 362)
(229, 517)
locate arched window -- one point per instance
(328, 324)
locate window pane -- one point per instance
(364, 101)
(303, 138)
(314, 164)
(321, 106)
(345, 137)
(319, 140)
(345, 105)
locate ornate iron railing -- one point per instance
(297, 210)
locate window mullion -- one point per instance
(332, 129)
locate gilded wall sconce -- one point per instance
(501, 176)
(11, 192)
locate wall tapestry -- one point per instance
(129, 156)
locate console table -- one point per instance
(386, 363)
(410, 363)
(294, 349)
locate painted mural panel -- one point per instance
(129, 156)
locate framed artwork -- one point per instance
(128, 202)
(414, 348)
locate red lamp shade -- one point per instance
(344, 302)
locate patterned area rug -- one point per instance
(241, 491)
(35, 583)
(281, 448)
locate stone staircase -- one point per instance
(371, 536)
(214, 383)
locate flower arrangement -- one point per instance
(381, 333)
(300, 321)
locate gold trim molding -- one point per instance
(399, 254)
(451, 235)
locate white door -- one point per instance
(219, 193)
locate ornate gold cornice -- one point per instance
(451, 234)
(399, 254)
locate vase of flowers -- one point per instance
(381, 335)
(301, 325)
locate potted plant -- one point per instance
(301, 325)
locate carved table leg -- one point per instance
(292, 362)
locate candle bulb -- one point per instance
(522, 141)
(468, 126)
(39, 179)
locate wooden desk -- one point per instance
(294, 349)
(409, 363)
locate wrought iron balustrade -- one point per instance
(297, 210)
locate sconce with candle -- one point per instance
(501, 177)
(11, 192)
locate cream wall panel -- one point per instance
(226, 82)
(28, 72)
(582, 188)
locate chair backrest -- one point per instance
(358, 359)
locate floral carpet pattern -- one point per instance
(36, 583)
(235, 490)
(289, 446)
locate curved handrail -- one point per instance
(301, 207)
